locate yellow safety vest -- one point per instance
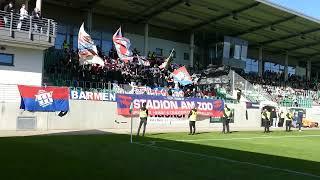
(227, 112)
(263, 115)
(268, 115)
(193, 116)
(65, 46)
(289, 117)
(143, 113)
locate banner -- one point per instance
(145, 90)
(93, 96)
(220, 120)
(168, 106)
(250, 105)
(45, 99)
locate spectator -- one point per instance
(36, 15)
(23, 18)
(8, 9)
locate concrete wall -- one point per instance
(27, 68)
(85, 115)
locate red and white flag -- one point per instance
(182, 76)
(167, 61)
(143, 61)
(88, 53)
(122, 46)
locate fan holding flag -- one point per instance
(182, 76)
(122, 46)
(167, 61)
(88, 53)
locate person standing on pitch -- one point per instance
(300, 118)
(265, 121)
(289, 117)
(226, 119)
(143, 118)
(281, 121)
(192, 120)
(274, 118)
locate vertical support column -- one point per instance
(146, 39)
(11, 25)
(89, 20)
(191, 49)
(30, 27)
(286, 60)
(309, 70)
(260, 62)
(317, 75)
(39, 4)
(233, 77)
(48, 32)
(26, 2)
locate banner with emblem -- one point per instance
(168, 106)
(44, 99)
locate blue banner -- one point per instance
(160, 105)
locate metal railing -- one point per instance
(253, 93)
(29, 24)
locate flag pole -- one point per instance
(131, 141)
(131, 119)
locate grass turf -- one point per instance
(163, 156)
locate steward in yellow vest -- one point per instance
(265, 115)
(226, 119)
(143, 118)
(193, 115)
(289, 118)
(282, 116)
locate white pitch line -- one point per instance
(229, 160)
(231, 139)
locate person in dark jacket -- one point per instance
(36, 18)
(8, 9)
(273, 118)
(299, 119)
(143, 118)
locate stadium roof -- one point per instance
(261, 22)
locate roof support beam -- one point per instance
(289, 36)
(304, 46)
(250, 30)
(93, 2)
(147, 16)
(231, 13)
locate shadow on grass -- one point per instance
(113, 157)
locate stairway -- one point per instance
(252, 93)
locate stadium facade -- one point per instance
(244, 34)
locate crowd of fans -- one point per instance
(133, 73)
(277, 79)
(294, 89)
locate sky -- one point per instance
(308, 7)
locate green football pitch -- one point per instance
(239, 155)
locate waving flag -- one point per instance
(182, 76)
(122, 46)
(143, 61)
(167, 61)
(88, 53)
(44, 99)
